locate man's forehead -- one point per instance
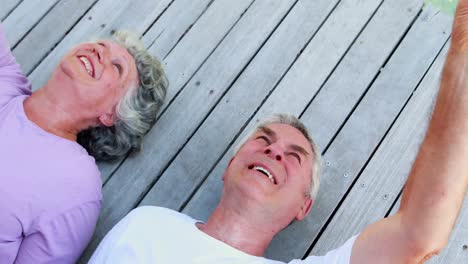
(286, 132)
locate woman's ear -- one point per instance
(107, 119)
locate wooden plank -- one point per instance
(358, 70)
(7, 7)
(193, 49)
(42, 39)
(174, 24)
(138, 172)
(284, 247)
(100, 21)
(203, 38)
(209, 142)
(383, 178)
(24, 17)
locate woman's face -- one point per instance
(95, 76)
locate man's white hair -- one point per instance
(293, 121)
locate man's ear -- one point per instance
(305, 209)
(229, 164)
(107, 119)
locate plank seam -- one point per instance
(400, 193)
(190, 27)
(11, 11)
(156, 20)
(373, 81)
(35, 24)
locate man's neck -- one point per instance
(50, 114)
(233, 227)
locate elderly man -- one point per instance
(267, 184)
(102, 95)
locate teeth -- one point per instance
(261, 169)
(87, 64)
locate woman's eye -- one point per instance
(119, 68)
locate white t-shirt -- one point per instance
(152, 234)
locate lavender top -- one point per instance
(50, 188)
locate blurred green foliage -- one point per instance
(446, 6)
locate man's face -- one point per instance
(272, 170)
(96, 76)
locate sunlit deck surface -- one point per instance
(361, 74)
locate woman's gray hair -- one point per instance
(136, 112)
(291, 120)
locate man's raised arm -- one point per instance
(438, 182)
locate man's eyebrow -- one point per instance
(299, 149)
(268, 131)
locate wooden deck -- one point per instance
(361, 74)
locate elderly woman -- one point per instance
(100, 101)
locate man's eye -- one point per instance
(264, 139)
(295, 155)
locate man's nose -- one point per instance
(273, 151)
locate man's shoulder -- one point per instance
(150, 224)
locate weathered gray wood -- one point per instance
(7, 7)
(173, 24)
(185, 59)
(191, 52)
(209, 142)
(293, 242)
(384, 176)
(105, 16)
(24, 17)
(41, 40)
(188, 110)
(355, 73)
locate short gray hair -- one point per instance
(136, 111)
(291, 120)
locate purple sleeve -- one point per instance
(62, 239)
(12, 80)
